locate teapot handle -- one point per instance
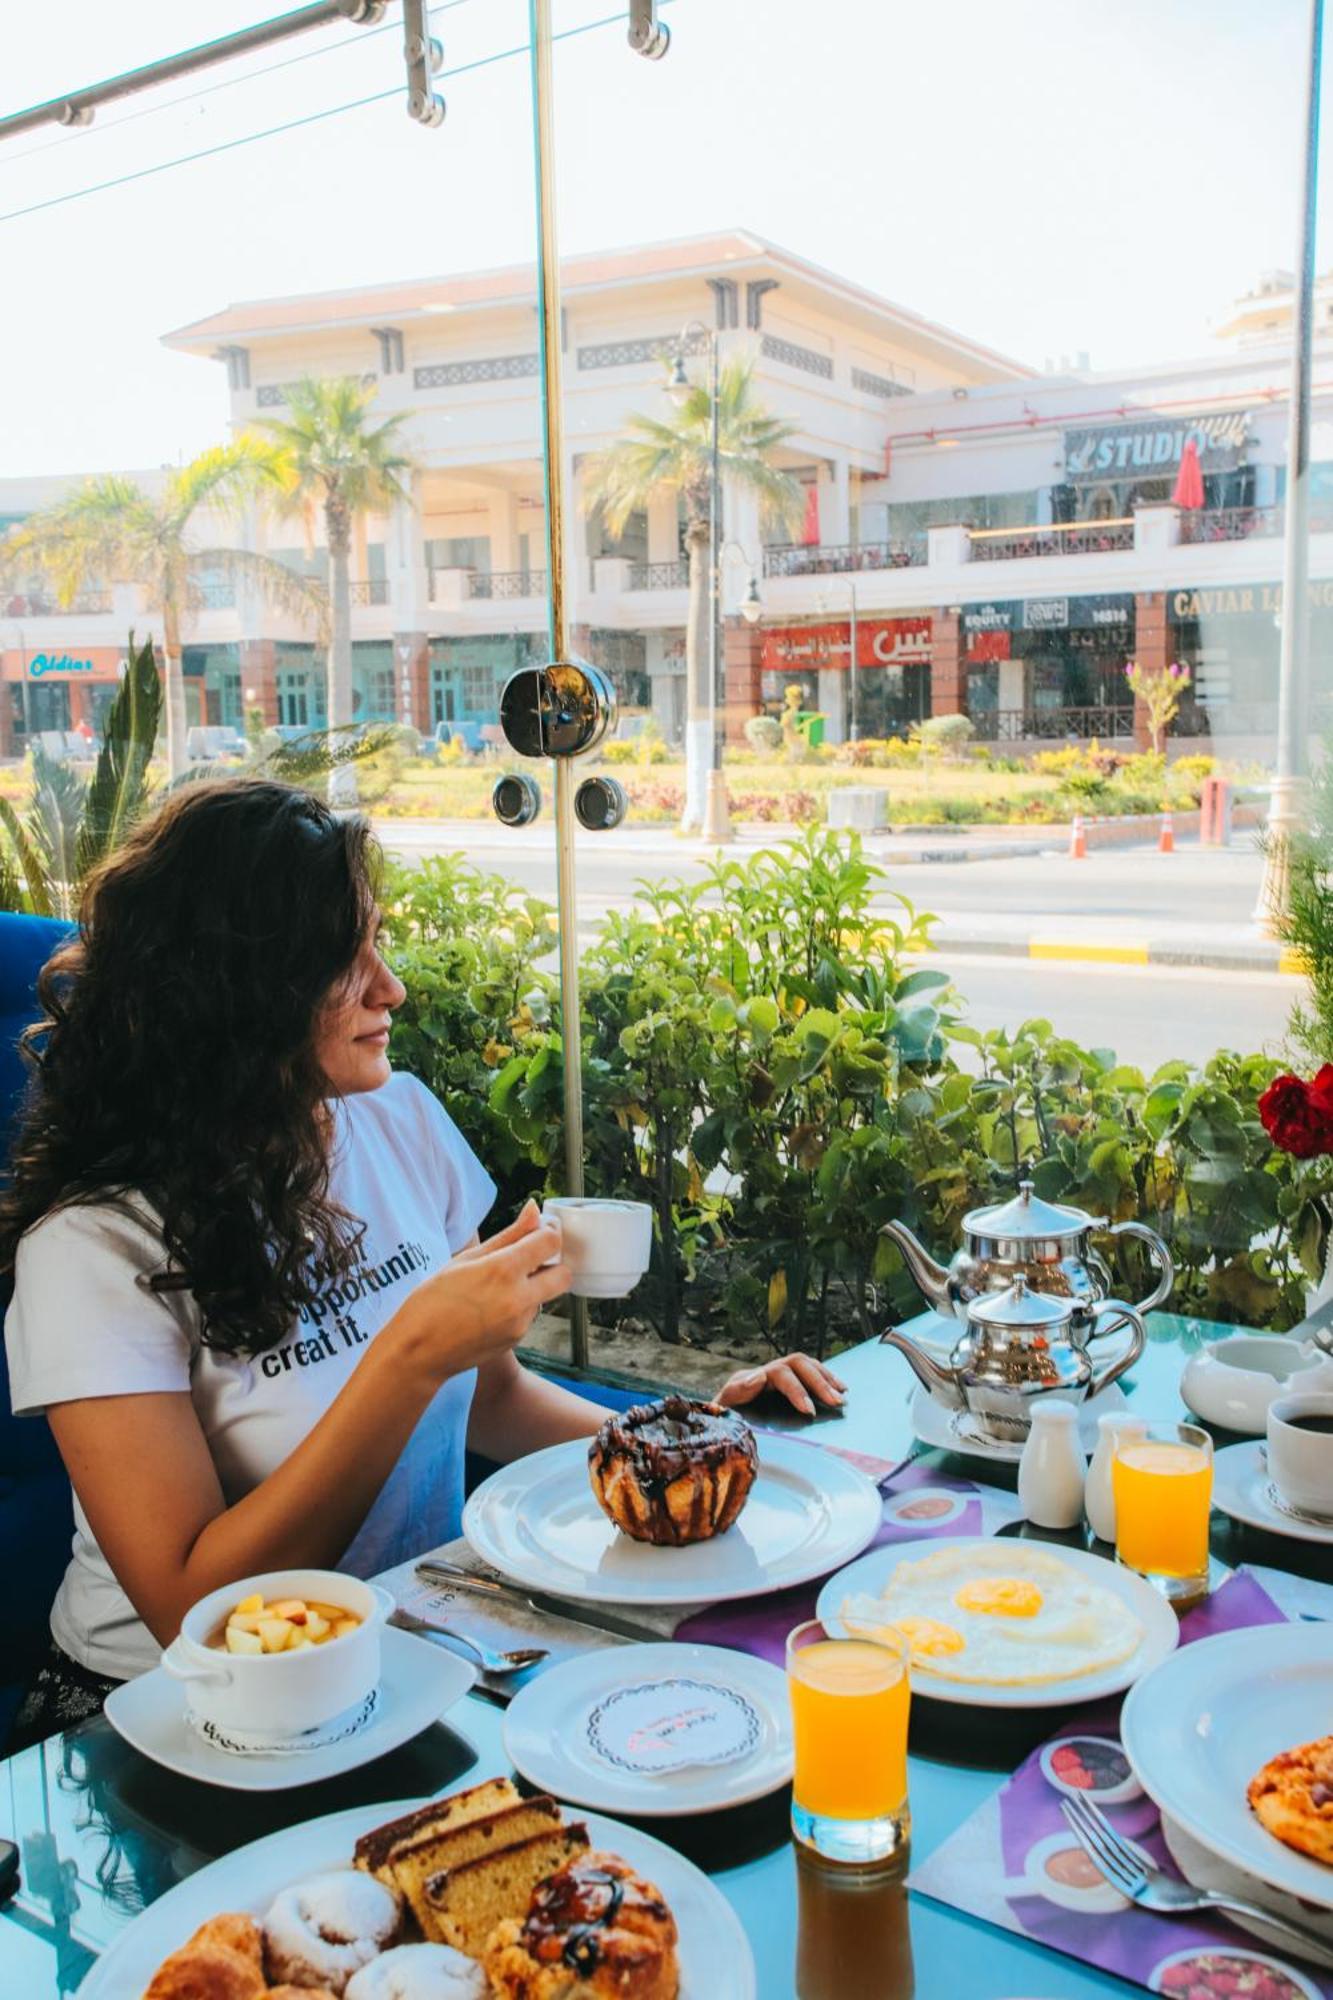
(1119, 1314)
(1161, 1257)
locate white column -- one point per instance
(835, 516)
(833, 703)
(1156, 527)
(405, 562)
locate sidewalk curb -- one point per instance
(1271, 958)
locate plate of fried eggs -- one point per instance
(1000, 1623)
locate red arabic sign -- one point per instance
(880, 642)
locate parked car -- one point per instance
(207, 743)
(469, 734)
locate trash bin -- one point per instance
(1215, 813)
(811, 725)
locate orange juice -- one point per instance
(1162, 1495)
(849, 1700)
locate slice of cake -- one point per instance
(464, 1904)
(438, 1817)
(413, 1863)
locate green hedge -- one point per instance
(767, 1059)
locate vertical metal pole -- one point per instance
(856, 706)
(1285, 815)
(548, 334)
(714, 526)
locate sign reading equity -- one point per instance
(1116, 451)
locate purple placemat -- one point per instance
(1016, 1863)
(918, 1502)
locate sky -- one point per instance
(1048, 176)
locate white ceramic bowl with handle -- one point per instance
(1231, 1382)
(279, 1695)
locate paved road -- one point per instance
(1148, 1014)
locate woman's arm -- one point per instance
(146, 1480)
(515, 1411)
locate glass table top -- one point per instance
(102, 1831)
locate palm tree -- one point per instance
(329, 458)
(112, 528)
(673, 458)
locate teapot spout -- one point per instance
(932, 1280)
(938, 1381)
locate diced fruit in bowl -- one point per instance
(283, 1626)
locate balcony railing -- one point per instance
(823, 559)
(660, 575)
(1229, 524)
(371, 590)
(507, 583)
(1058, 538)
(1017, 725)
(36, 604)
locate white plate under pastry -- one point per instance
(1205, 1870)
(960, 1432)
(1161, 1627)
(553, 1729)
(538, 1521)
(715, 1956)
(1243, 1488)
(1201, 1725)
(419, 1680)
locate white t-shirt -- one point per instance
(84, 1323)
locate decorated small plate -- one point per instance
(654, 1730)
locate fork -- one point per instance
(1139, 1879)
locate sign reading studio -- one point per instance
(1118, 451)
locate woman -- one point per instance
(249, 1292)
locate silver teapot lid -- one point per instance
(1025, 1216)
(1019, 1308)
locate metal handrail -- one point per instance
(660, 575)
(507, 583)
(370, 590)
(837, 558)
(1052, 538)
(1229, 524)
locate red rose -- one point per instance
(1295, 1119)
(1321, 1092)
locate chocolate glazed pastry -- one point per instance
(673, 1472)
(593, 1928)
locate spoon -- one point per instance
(490, 1661)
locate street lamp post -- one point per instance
(716, 815)
(1286, 809)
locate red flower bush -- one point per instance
(1298, 1116)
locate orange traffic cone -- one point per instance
(1166, 843)
(1078, 840)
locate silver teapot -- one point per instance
(1047, 1245)
(1021, 1345)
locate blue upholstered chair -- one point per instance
(36, 1514)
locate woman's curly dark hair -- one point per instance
(177, 1057)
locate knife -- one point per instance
(538, 1600)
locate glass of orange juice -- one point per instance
(849, 1703)
(1162, 1479)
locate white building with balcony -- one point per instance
(976, 536)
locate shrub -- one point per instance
(763, 733)
(1194, 767)
(948, 733)
(772, 1021)
(619, 751)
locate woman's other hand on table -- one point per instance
(804, 1381)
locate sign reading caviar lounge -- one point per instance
(1243, 600)
(1119, 451)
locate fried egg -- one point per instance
(1005, 1615)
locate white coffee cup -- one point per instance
(1301, 1461)
(279, 1695)
(607, 1244)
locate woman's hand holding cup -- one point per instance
(483, 1302)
